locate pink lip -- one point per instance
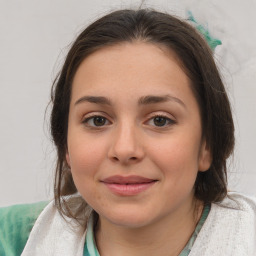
(128, 186)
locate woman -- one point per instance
(143, 129)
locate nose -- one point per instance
(126, 148)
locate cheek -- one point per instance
(177, 158)
(85, 160)
(179, 151)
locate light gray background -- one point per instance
(34, 38)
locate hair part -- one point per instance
(196, 58)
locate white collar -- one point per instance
(53, 236)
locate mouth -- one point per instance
(128, 186)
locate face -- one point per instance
(134, 134)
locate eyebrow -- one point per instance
(94, 99)
(151, 99)
(145, 100)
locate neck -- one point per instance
(167, 236)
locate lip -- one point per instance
(129, 185)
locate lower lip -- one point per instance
(129, 189)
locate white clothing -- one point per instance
(229, 230)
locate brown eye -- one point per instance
(160, 121)
(95, 121)
(99, 120)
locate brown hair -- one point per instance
(149, 26)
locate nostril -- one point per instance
(116, 159)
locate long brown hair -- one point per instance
(149, 26)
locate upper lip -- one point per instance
(133, 179)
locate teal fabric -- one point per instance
(90, 248)
(191, 241)
(212, 42)
(16, 223)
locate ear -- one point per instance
(68, 158)
(205, 157)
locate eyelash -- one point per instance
(86, 120)
(167, 120)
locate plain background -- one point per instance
(35, 36)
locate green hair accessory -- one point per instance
(212, 42)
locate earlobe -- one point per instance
(205, 158)
(68, 159)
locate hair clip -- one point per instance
(212, 42)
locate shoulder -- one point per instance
(16, 222)
(51, 232)
(230, 228)
(237, 209)
(233, 223)
(238, 202)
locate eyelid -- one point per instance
(95, 113)
(162, 114)
(171, 119)
(92, 115)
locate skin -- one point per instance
(129, 141)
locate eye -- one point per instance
(160, 121)
(96, 121)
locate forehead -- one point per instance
(130, 69)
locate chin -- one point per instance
(128, 218)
